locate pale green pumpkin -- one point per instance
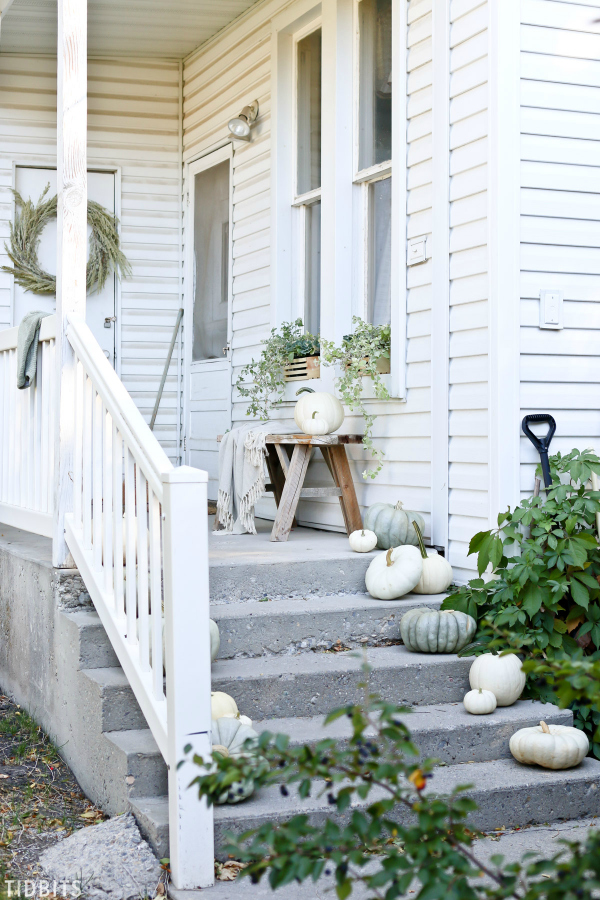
(228, 739)
(436, 631)
(393, 525)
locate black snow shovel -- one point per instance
(541, 444)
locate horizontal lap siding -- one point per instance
(468, 396)
(235, 69)
(560, 220)
(133, 123)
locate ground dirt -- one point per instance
(40, 800)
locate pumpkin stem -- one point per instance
(305, 390)
(388, 557)
(420, 540)
(545, 728)
(399, 505)
(315, 412)
(219, 748)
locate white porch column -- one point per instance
(71, 244)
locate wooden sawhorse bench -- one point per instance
(287, 459)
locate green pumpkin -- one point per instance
(393, 525)
(436, 631)
(228, 738)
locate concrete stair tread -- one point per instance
(299, 664)
(135, 741)
(488, 777)
(108, 676)
(315, 603)
(441, 718)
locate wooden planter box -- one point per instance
(303, 369)
(383, 365)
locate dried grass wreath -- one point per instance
(31, 218)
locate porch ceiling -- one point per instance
(141, 28)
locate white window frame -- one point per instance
(361, 182)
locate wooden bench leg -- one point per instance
(291, 493)
(337, 461)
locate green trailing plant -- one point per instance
(542, 566)
(390, 831)
(105, 254)
(262, 381)
(356, 358)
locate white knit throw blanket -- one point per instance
(242, 475)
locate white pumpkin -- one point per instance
(437, 571)
(395, 573)
(215, 639)
(362, 541)
(480, 702)
(228, 739)
(317, 410)
(245, 720)
(502, 675)
(550, 746)
(222, 705)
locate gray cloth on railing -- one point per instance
(27, 345)
(242, 475)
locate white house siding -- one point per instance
(469, 361)
(560, 220)
(134, 125)
(235, 68)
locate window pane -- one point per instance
(380, 255)
(375, 92)
(211, 262)
(312, 302)
(309, 112)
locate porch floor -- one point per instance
(248, 566)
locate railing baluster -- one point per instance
(156, 612)
(87, 463)
(78, 447)
(45, 503)
(107, 516)
(117, 485)
(52, 395)
(13, 462)
(36, 458)
(97, 482)
(142, 569)
(130, 547)
(3, 435)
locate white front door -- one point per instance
(208, 311)
(100, 308)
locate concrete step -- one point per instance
(246, 566)
(507, 794)
(307, 684)
(108, 698)
(137, 763)
(445, 731)
(250, 628)
(95, 649)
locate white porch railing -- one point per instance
(27, 426)
(138, 533)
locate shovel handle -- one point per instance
(541, 444)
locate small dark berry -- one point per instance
(283, 790)
(328, 871)
(254, 878)
(240, 790)
(349, 714)
(330, 799)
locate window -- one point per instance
(307, 189)
(211, 262)
(374, 153)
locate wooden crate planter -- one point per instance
(303, 369)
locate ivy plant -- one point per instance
(542, 568)
(262, 381)
(355, 359)
(390, 831)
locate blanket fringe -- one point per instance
(224, 510)
(249, 501)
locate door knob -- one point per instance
(109, 320)
(226, 349)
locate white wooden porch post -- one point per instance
(71, 244)
(187, 662)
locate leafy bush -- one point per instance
(355, 358)
(545, 568)
(267, 386)
(398, 836)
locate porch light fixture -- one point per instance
(241, 125)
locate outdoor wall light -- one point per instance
(240, 126)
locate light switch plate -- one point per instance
(551, 309)
(417, 251)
